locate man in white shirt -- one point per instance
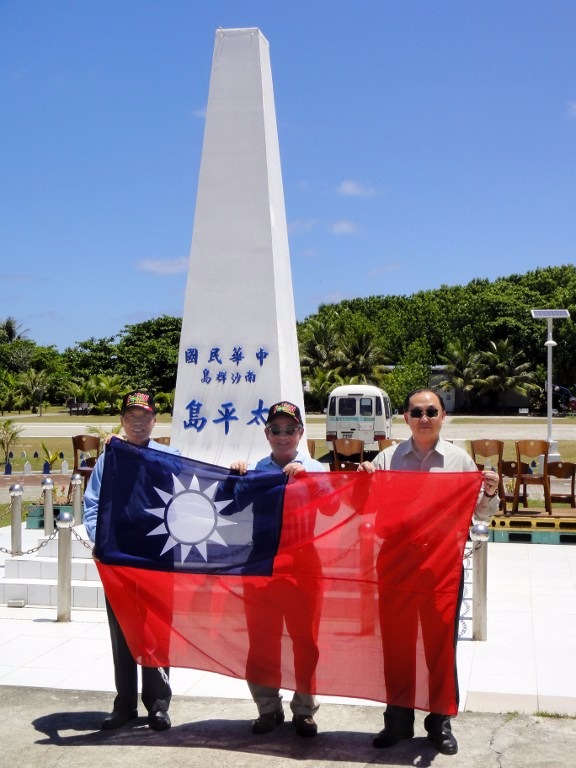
(426, 451)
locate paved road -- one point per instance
(455, 428)
(69, 429)
(504, 428)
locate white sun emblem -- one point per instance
(190, 517)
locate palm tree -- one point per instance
(499, 370)
(9, 432)
(11, 330)
(31, 385)
(165, 401)
(362, 360)
(459, 368)
(319, 345)
(107, 389)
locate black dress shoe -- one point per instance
(117, 720)
(390, 736)
(159, 721)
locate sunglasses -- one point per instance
(430, 412)
(276, 430)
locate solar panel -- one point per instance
(545, 313)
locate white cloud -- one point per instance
(344, 227)
(384, 269)
(301, 226)
(200, 113)
(572, 110)
(163, 266)
(351, 188)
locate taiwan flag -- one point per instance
(339, 583)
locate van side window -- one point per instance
(365, 406)
(332, 407)
(347, 406)
(379, 406)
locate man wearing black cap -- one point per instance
(138, 417)
(284, 429)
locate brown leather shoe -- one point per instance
(268, 721)
(305, 725)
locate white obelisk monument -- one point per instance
(238, 350)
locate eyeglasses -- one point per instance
(430, 412)
(276, 430)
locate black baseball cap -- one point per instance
(284, 408)
(138, 398)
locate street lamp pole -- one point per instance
(549, 344)
(549, 315)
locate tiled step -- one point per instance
(47, 568)
(44, 593)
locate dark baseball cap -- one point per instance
(138, 398)
(284, 408)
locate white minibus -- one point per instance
(359, 411)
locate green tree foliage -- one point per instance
(11, 330)
(32, 386)
(91, 357)
(481, 332)
(411, 372)
(106, 391)
(499, 369)
(147, 353)
(459, 324)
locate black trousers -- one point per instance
(156, 691)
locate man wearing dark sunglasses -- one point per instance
(301, 607)
(424, 451)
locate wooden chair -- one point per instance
(311, 448)
(346, 455)
(532, 449)
(83, 465)
(509, 472)
(387, 442)
(563, 470)
(490, 449)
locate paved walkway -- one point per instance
(57, 683)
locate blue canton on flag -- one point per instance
(165, 512)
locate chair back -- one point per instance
(484, 450)
(82, 444)
(311, 448)
(563, 470)
(487, 449)
(346, 454)
(534, 449)
(388, 441)
(526, 452)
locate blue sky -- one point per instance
(423, 143)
